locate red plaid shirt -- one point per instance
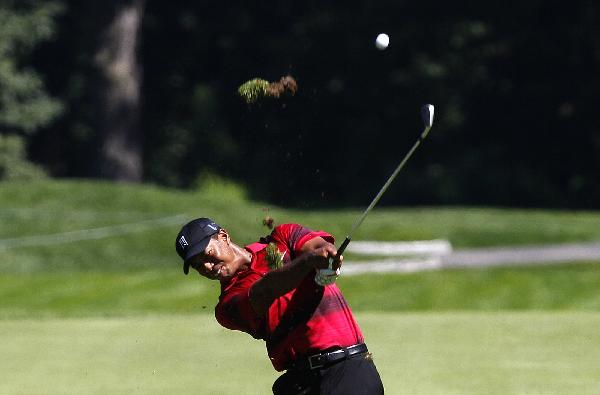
(327, 320)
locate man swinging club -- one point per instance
(268, 290)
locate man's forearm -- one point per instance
(277, 283)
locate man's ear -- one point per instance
(224, 235)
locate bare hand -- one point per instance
(319, 257)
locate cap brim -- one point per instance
(195, 250)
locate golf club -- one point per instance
(328, 276)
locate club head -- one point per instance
(427, 115)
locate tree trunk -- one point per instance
(118, 110)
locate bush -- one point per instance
(211, 185)
(13, 161)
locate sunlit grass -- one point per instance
(168, 291)
(424, 353)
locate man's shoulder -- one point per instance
(287, 227)
(289, 230)
(241, 282)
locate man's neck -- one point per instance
(243, 258)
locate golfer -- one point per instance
(268, 291)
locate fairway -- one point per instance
(416, 353)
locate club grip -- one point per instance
(328, 276)
(342, 248)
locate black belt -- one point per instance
(325, 359)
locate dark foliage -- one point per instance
(514, 86)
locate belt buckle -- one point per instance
(315, 365)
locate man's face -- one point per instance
(215, 263)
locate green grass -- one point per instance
(139, 273)
(51, 207)
(432, 353)
(81, 294)
(555, 287)
(115, 314)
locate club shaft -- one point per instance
(382, 190)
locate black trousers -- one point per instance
(356, 376)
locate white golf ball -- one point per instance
(382, 41)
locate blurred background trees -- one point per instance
(25, 106)
(514, 87)
(117, 88)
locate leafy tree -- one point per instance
(24, 104)
(514, 86)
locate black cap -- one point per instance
(193, 239)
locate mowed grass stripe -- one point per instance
(104, 293)
(416, 353)
(552, 287)
(168, 291)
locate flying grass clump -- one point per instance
(274, 257)
(255, 89)
(268, 221)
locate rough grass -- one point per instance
(54, 207)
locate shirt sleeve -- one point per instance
(294, 236)
(234, 310)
